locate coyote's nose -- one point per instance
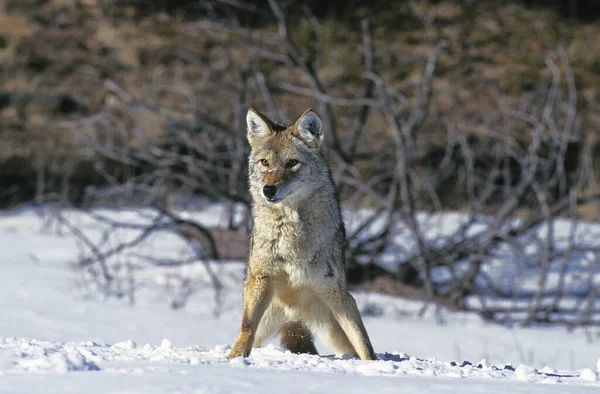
(269, 191)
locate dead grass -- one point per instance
(496, 56)
(13, 28)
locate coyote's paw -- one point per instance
(239, 349)
(372, 357)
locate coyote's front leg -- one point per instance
(258, 292)
(344, 309)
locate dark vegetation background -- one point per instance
(55, 57)
(490, 108)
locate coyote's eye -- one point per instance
(264, 162)
(291, 163)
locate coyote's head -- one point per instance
(285, 164)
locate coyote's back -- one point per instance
(296, 283)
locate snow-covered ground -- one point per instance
(54, 340)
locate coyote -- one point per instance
(296, 283)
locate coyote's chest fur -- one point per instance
(289, 247)
(284, 239)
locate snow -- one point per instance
(38, 356)
(54, 358)
(54, 339)
(589, 375)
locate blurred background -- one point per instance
(462, 135)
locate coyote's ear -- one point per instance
(258, 125)
(309, 128)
